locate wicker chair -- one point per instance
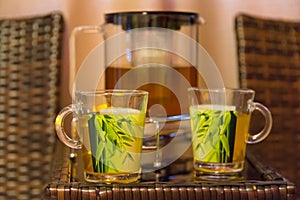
(30, 58)
(269, 62)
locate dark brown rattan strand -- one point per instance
(269, 62)
(30, 60)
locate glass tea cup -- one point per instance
(220, 120)
(110, 125)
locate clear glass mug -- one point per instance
(220, 120)
(110, 125)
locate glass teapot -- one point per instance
(152, 51)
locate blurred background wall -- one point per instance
(216, 36)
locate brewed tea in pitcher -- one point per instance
(161, 72)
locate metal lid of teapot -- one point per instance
(162, 19)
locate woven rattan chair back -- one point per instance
(30, 51)
(269, 62)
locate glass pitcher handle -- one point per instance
(97, 29)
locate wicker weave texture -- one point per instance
(156, 191)
(270, 186)
(30, 50)
(269, 63)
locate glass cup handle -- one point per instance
(59, 127)
(96, 29)
(255, 138)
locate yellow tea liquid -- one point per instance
(219, 138)
(112, 143)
